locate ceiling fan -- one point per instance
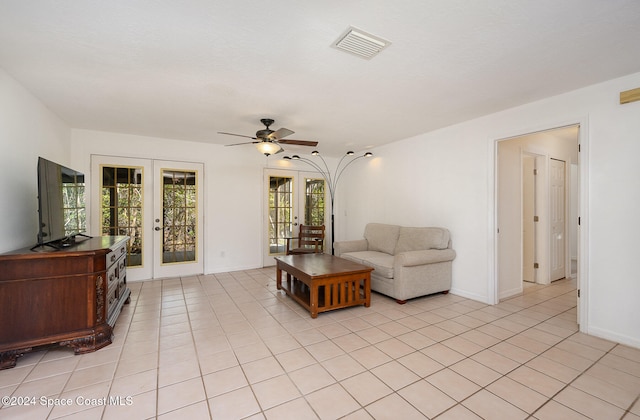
(268, 141)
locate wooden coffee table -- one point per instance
(321, 282)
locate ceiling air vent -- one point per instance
(360, 43)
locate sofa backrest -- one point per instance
(381, 237)
(417, 238)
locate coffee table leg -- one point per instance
(278, 277)
(367, 290)
(313, 300)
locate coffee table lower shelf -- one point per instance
(321, 283)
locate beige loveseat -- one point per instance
(408, 261)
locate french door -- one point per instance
(292, 198)
(158, 204)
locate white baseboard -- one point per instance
(612, 336)
(472, 296)
(510, 293)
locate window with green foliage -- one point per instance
(314, 202)
(280, 212)
(179, 216)
(122, 207)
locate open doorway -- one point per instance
(536, 200)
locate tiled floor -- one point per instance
(230, 346)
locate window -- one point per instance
(179, 215)
(280, 212)
(122, 208)
(314, 202)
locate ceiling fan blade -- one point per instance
(280, 133)
(238, 144)
(239, 135)
(299, 142)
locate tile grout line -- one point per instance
(488, 348)
(446, 367)
(467, 357)
(539, 355)
(461, 314)
(244, 282)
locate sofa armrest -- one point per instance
(350, 246)
(423, 256)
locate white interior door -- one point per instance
(127, 199)
(292, 198)
(557, 198)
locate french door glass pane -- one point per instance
(179, 197)
(280, 212)
(314, 202)
(122, 208)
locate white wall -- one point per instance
(447, 178)
(232, 189)
(27, 130)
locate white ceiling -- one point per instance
(187, 69)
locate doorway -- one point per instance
(533, 223)
(158, 204)
(292, 198)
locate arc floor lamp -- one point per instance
(331, 179)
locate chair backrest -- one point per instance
(309, 235)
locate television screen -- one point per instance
(61, 203)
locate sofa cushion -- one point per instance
(382, 237)
(417, 238)
(381, 262)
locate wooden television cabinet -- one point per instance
(70, 296)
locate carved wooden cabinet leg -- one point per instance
(8, 358)
(90, 343)
(401, 302)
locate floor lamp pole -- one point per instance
(333, 231)
(332, 182)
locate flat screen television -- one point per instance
(61, 204)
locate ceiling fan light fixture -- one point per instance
(268, 148)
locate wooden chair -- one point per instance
(310, 240)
